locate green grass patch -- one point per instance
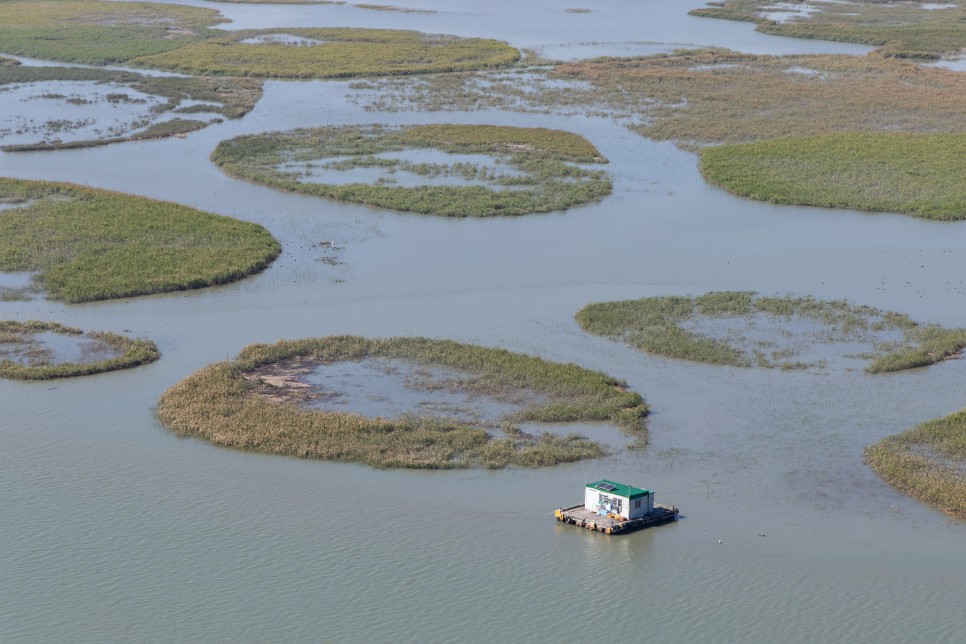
(98, 32)
(338, 53)
(88, 244)
(24, 356)
(532, 168)
(219, 403)
(923, 175)
(903, 29)
(927, 462)
(744, 329)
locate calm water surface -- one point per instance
(115, 530)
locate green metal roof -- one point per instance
(620, 489)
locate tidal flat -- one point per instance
(207, 543)
(264, 401)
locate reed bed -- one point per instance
(30, 361)
(901, 29)
(543, 177)
(927, 462)
(665, 326)
(915, 174)
(88, 244)
(219, 404)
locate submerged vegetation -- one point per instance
(903, 29)
(25, 356)
(181, 38)
(228, 97)
(916, 174)
(708, 96)
(88, 244)
(224, 403)
(927, 462)
(532, 168)
(744, 329)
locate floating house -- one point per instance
(613, 508)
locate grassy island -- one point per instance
(258, 402)
(497, 171)
(927, 462)
(159, 96)
(916, 174)
(902, 29)
(744, 329)
(86, 244)
(183, 39)
(24, 354)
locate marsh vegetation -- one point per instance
(744, 329)
(259, 402)
(36, 350)
(927, 462)
(703, 97)
(46, 108)
(903, 29)
(923, 175)
(86, 244)
(469, 171)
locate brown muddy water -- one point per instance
(113, 529)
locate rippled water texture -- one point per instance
(113, 529)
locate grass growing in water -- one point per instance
(671, 326)
(706, 97)
(218, 404)
(543, 178)
(91, 244)
(229, 97)
(904, 29)
(22, 356)
(927, 462)
(916, 174)
(340, 53)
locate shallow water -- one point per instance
(116, 530)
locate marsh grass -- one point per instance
(229, 97)
(542, 158)
(219, 404)
(923, 175)
(703, 97)
(927, 462)
(99, 32)
(346, 52)
(665, 326)
(903, 29)
(91, 244)
(22, 357)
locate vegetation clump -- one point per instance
(228, 97)
(901, 29)
(222, 404)
(744, 329)
(927, 462)
(88, 244)
(533, 168)
(710, 96)
(24, 355)
(182, 38)
(916, 174)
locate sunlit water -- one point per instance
(113, 529)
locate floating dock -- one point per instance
(581, 517)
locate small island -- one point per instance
(463, 405)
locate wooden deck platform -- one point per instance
(581, 517)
